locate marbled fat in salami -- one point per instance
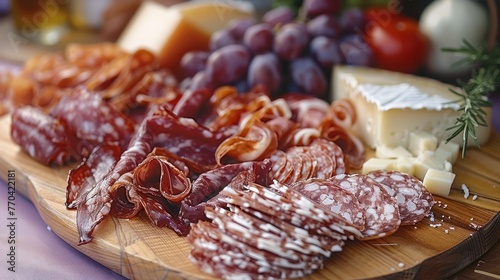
(41, 136)
(414, 200)
(381, 210)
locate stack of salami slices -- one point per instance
(289, 230)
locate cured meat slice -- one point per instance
(92, 119)
(96, 203)
(210, 183)
(157, 176)
(92, 169)
(126, 202)
(308, 111)
(331, 197)
(43, 137)
(326, 164)
(191, 103)
(288, 253)
(381, 210)
(352, 147)
(231, 259)
(333, 149)
(414, 200)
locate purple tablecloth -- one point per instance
(41, 254)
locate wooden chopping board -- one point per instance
(431, 249)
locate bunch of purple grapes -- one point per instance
(282, 52)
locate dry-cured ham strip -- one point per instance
(308, 111)
(299, 137)
(43, 137)
(381, 210)
(210, 183)
(155, 175)
(92, 169)
(163, 214)
(343, 113)
(183, 137)
(126, 202)
(352, 146)
(96, 203)
(255, 143)
(414, 200)
(91, 55)
(92, 119)
(191, 103)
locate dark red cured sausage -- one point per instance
(307, 111)
(96, 204)
(195, 145)
(126, 202)
(414, 200)
(92, 169)
(331, 197)
(157, 176)
(335, 151)
(381, 210)
(43, 137)
(92, 119)
(210, 183)
(162, 214)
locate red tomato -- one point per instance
(396, 41)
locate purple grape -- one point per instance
(308, 76)
(265, 69)
(221, 38)
(239, 26)
(278, 16)
(228, 64)
(291, 41)
(314, 8)
(352, 20)
(200, 81)
(259, 38)
(356, 51)
(193, 62)
(323, 25)
(326, 52)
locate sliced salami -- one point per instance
(414, 200)
(381, 210)
(332, 149)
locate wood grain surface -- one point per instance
(431, 249)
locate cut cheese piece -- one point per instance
(172, 31)
(390, 106)
(438, 182)
(421, 141)
(374, 164)
(429, 160)
(391, 152)
(451, 147)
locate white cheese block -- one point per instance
(428, 160)
(390, 106)
(438, 182)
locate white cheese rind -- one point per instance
(382, 122)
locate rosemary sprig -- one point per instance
(476, 91)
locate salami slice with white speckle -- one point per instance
(414, 200)
(332, 149)
(381, 210)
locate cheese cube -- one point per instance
(452, 147)
(172, 31)
(390, 106)
(428, 160)
(374, 164)
(391, 152)
(438, 182)
(421, 141)
(405, 165)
